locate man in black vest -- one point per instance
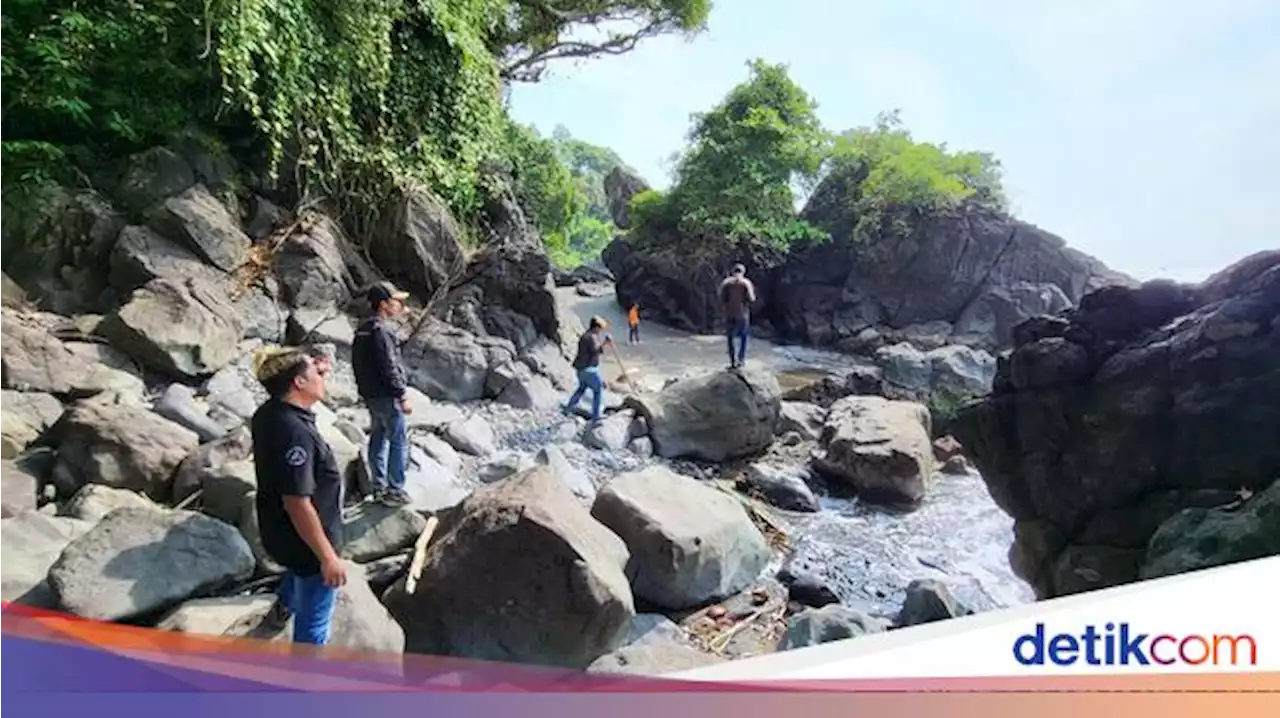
(299, 500)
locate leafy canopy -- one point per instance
(345, 100)
(560, 182)
(746, 155)
(536, 32)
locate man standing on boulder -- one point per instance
(380, 379)
(590, 346)
(299, 500)
(737, 294)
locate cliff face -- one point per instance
(973, 274)
(1110, 420)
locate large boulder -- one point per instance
(420, 243)
(620, 185)
(137, 560)
(201, 222)
(725, 415)
(1108, 421)
(879, 446)
(689, 543)
(183, 329)
(122, 446)
(36, 361)
(519, 572)
(359, 623)
(31, 543)
(1199, 538)
(446, 363)
(314, 267)
(26, 416)
(20, 488)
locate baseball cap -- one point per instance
(385, 290)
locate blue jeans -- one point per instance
(388, 430)
(739, 329)
(311, 603)
(588, 378)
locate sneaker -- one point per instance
(277, 616)
(394, 497)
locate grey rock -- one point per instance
(441, 451)
(689, 543)
(929, 600)
(431, 486)
(151, 176)
(419, 242)
(446, 363)
(715, 417)
(577, 481)
(611, 433)
(641, 446)
(834, 622)
(654, 659)
(879, 446)
(472, 435)
(178, 404)
(94, 501)
(373, 531)
(120, 446)
(200, 221)
(807, 589)
(1200, 538)
(236, 446)
(782, 488)
(801, 417)
(507, 463)
(138, 560)
(20, 488)
(36, 361)
(31, 543)
(226, 488)
(519, 572)
(26, 416)
(185, 329)
(515, 384)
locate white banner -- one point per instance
(1224, 619)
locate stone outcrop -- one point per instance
(985, 272)
(1111, 419)
(620, 185)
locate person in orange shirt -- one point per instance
(633, 322)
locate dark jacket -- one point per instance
(375, 359)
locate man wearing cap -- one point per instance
(587, 363)
(299, 499)
(737, 294)
(380, 379)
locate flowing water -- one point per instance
(867, 554)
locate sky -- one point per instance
(1144, 132)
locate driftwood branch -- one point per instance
(420, 555)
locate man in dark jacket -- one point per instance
(380, 379)
(587, 363)
(737, 294)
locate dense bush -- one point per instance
(344, 100)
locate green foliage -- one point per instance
(535, 32)
(104, 76)
(887, 175)
(347, 100)
(367, 94)
(560, 184)
(736, 180)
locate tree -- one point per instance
(736, 179)
(878, 178)
(540, 31)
